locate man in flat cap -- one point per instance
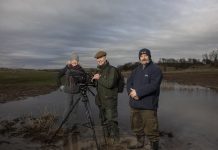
(106, 98)
(143, 87)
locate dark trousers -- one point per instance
(145, 122)
(109, 121)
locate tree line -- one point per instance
(208, 59)
(211, 58)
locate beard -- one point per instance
(144, 61)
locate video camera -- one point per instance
(85, 84)
(82, 78)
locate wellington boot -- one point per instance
(139, 144)
(155, 145)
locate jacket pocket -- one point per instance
(146, 79)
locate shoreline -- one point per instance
(206, 79)
(14, 93)
(37, 132)
(18, 84)
(32, 85)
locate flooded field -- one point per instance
(187, 112)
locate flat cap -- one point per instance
(100, 54)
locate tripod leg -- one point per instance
(88, 114)
(65, 119)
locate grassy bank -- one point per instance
(204, 77)
(207, 77)
(19, 83)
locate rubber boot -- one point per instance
(115, 134)
(106, 130)
(155, 145)
(139, 144)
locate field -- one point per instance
(206, 78)
(20, 83)
(17, 84)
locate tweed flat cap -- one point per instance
(100, 54)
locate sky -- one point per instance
(42, 34)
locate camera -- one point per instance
(82, 78)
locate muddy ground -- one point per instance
(14, 92)
(203, 78)
(16, 84)
(36, 133)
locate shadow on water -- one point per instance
(189, 112)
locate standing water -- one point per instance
(188, 112)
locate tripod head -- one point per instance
(83, 87)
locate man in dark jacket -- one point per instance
(143, 87)
(74, 74)
(106, 98)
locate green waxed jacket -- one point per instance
(107, 90)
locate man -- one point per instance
(143, 87)
(74, 74)
(106, 98)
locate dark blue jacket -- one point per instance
(146, 82)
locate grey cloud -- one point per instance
(53, 29)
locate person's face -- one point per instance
(74, 63)
(144, 59)
(101, 60)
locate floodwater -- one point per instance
(188, 112)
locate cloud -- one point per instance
(43, 33)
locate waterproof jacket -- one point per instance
(73, 76)
(146, 81)
(107, 90)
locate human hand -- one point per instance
(133, 94)
(96, 77)
(136, 98)
(61, 88)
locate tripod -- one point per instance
(90, 124)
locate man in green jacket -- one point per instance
(106, 98)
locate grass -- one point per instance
(20, 83)
(17, 84)
(27, 77)
(37, 129)
(206, 77)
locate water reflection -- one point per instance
(190, 112)
(176, 86)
